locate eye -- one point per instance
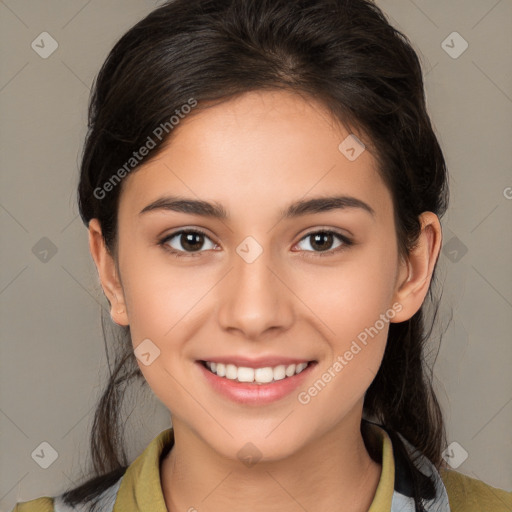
(187, 242)
(324, 239)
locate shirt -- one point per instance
(140, 490)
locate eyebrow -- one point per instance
(295, 209)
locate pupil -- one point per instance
(322, 237)
(189, 241)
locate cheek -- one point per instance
(355, 318)
(166, 305)
(160, 296)
(163, 305)
(354, 310)
(351, 297)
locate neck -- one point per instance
(335, 472)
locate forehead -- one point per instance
(258, 151)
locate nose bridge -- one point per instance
(253, 298)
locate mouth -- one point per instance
(256, 375)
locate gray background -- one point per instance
(52, 353)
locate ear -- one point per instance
(108, 274)
(416, 273)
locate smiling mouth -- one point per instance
(264, 375)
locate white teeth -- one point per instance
(290, 370)
(264, 375)
(279, 372)
(231, 371)
(258, 375)
(301, 367)
(245, 374)
(221, 370)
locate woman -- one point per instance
(262, 187)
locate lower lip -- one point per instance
(256, 394)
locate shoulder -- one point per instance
(44, 504)
(467, 494)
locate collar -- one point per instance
(434, 500)
(140, 487)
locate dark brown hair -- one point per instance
(343, 53)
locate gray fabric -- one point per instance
(439, 503)
(106, 501)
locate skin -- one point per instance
(255, 154)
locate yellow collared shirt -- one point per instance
(139, 489)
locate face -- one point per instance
(267, 285)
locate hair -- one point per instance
(341, 53)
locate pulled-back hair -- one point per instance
(342, 53)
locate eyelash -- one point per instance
(347, 242)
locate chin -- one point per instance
(258, 448)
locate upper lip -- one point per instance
(261, 362)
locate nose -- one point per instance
(255, 298)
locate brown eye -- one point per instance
(186, 241)
(322, 242)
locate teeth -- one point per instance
(221, 370)
(258, 375)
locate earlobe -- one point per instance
(107, 273)
(412, 289)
